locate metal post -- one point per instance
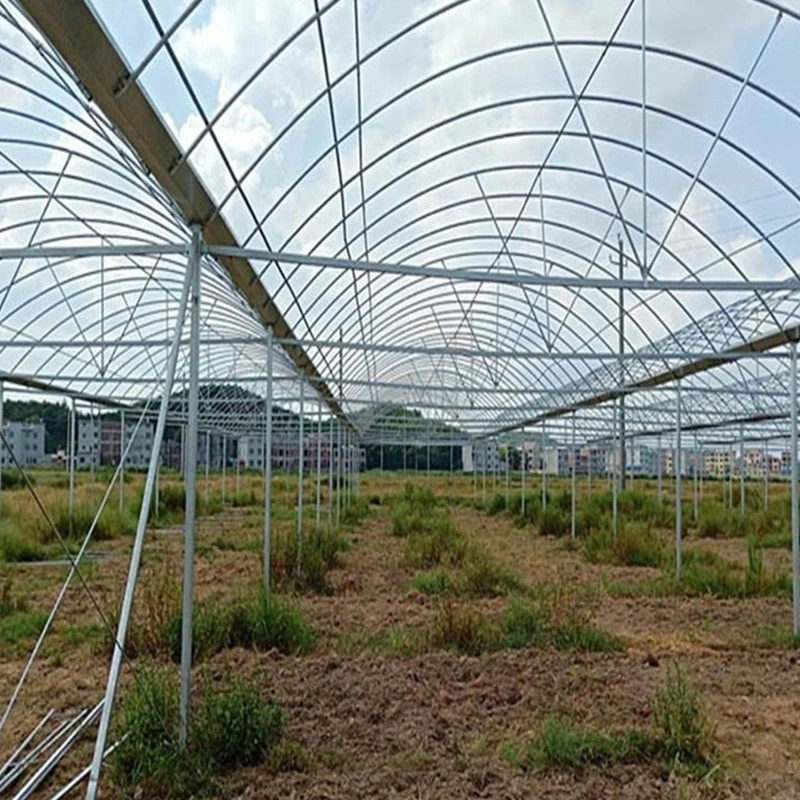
(208, 460)
(622, 459)
(485, 459)
(574, 479)
(522, 477)
(71, 448)
(702, 469)
(695, 482)
(319, 464)
(330, 473)
(766, 476)
(507, 474)
(614, 482)
(678, 488)
(191, 487)
(632, 459)
(742, 501)
(339, 472)
(268, 465)
(238, 465)
(495, 467)
(474, 473)
(300, 467)
(1, 462)
(224, 463)
(544, 467)
(121, 459)
(795, 517)
(138, 546)
(732, 455)
(659, 467)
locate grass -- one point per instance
(355, 511)
(18, 623)
(436, 541)
(231, 726)
(706, 573)
(681, 737)
(305, 568)
(636, 545)
(543, 621)
(259, 622)
(560, 744)
(682, 723)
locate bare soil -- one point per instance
(434, 725)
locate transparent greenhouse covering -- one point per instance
(496, 213)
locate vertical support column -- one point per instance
(795, 511)
(330, 473)
(766, 475)
(319, 465)
(742, 501)
(678, 487)
(136, 554)
(695, 470)
(72, 459)
(495, 466)
(574, 479)
(507, 474)
(301, 457)
(485, 459)
(614, 481)
(524, 466)
(224, 463)
(208, 461)
(339, 472)
(660, 468)
(121, 459)
(1, 463)
(474, 453)
(191, 486)
(238, 465)
(544, 466)
(702, 469)
(632, 459)
(732, 457)
(267, 553)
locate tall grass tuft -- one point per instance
(231, 726)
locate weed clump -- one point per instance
(682, 723)
(305, 569)
(636, 545)
(546, 621)
(681, 737)
(231, 726)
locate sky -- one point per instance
(461, 104)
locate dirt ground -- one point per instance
(434, 725)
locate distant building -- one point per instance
(479, 456)
(99, 441)
(26, 440)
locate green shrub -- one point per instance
(440, 542)
(483, 576)
(436, 581)
(17, 546)
(716, 521)
(549, 620)
(318, 553)
(231, 725)
(562, 744)
(681, 721)
(355, 511)
(12, 479)
(263, 622)
(636, 545)
(554, 521)
(461, 627)
(497, 504)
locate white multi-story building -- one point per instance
(26, 440)
(475, 456)
(98, 441)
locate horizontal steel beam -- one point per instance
(515, 278)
